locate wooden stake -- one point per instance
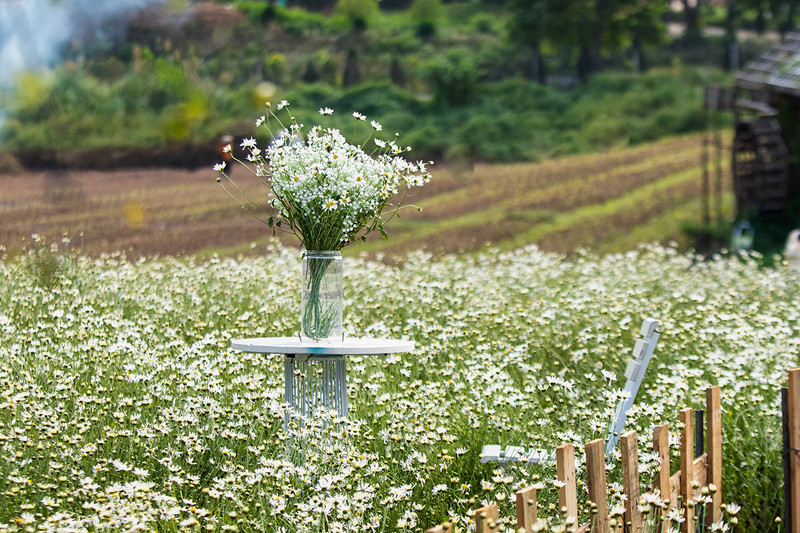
(526, 509)
(661, 447)
(596, 480)
(687, 467)
(630, 480)
(794, 444)
(565, 466)
(484, 516)
(714, 453)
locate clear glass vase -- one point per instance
(323, 300)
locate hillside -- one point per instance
(607, 202)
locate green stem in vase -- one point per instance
(322, 299)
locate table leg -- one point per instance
(314, 383)
(340, 384)
(288, 387)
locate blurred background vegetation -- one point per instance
(469, 80)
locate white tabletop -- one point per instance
(293, 345)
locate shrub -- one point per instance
(300, 22)
(453, 77)
(426, 15)
(359, 13)
(276, 67)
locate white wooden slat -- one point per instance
(634, 373)
(642, 352)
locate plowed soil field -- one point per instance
(606, 202)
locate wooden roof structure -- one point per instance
(761, 166)
(775, 71)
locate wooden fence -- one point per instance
(791, 451)
(680, 488)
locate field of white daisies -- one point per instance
(123, 407)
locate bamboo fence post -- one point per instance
(596, 481)
(526, 509)
(714, 452)
(630, 480)
(687, 467)
(486, 518)
(565, 466)
(794, 444)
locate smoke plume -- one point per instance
(35, 33)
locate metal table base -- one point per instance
(315, 374)
(314, 384)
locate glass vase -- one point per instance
(323, 300)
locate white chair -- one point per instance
(642, 353)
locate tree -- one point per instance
(590, 27)
(562, 23)
(731, 36)
(785, 12)
(691, 12)
(641, 22)
(527, 27)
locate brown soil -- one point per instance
(139, 212)
(169, 211)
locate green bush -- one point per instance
(506, 120)
(300, 22)
(359, 13)
(276, 67)
(426, 15)
(452, 76)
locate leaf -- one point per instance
(383, 234)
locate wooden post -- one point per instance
(698, 432)
(787, 477)
(794, 444)
(714, 452)
(687, 467)
(486, 516)
(565, 466)
(447, 527)
(705, 216)
(596, 481)
(661, 447)
(721, 95)
(630, 480)
(526, 509)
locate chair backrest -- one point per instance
(642, 353)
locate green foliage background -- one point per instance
(450, 77)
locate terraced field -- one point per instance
(606, 202)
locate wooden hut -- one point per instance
(766, 146)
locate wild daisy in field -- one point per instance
(123, 408)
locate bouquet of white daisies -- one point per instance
(323, 189)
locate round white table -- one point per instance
(315, 374)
